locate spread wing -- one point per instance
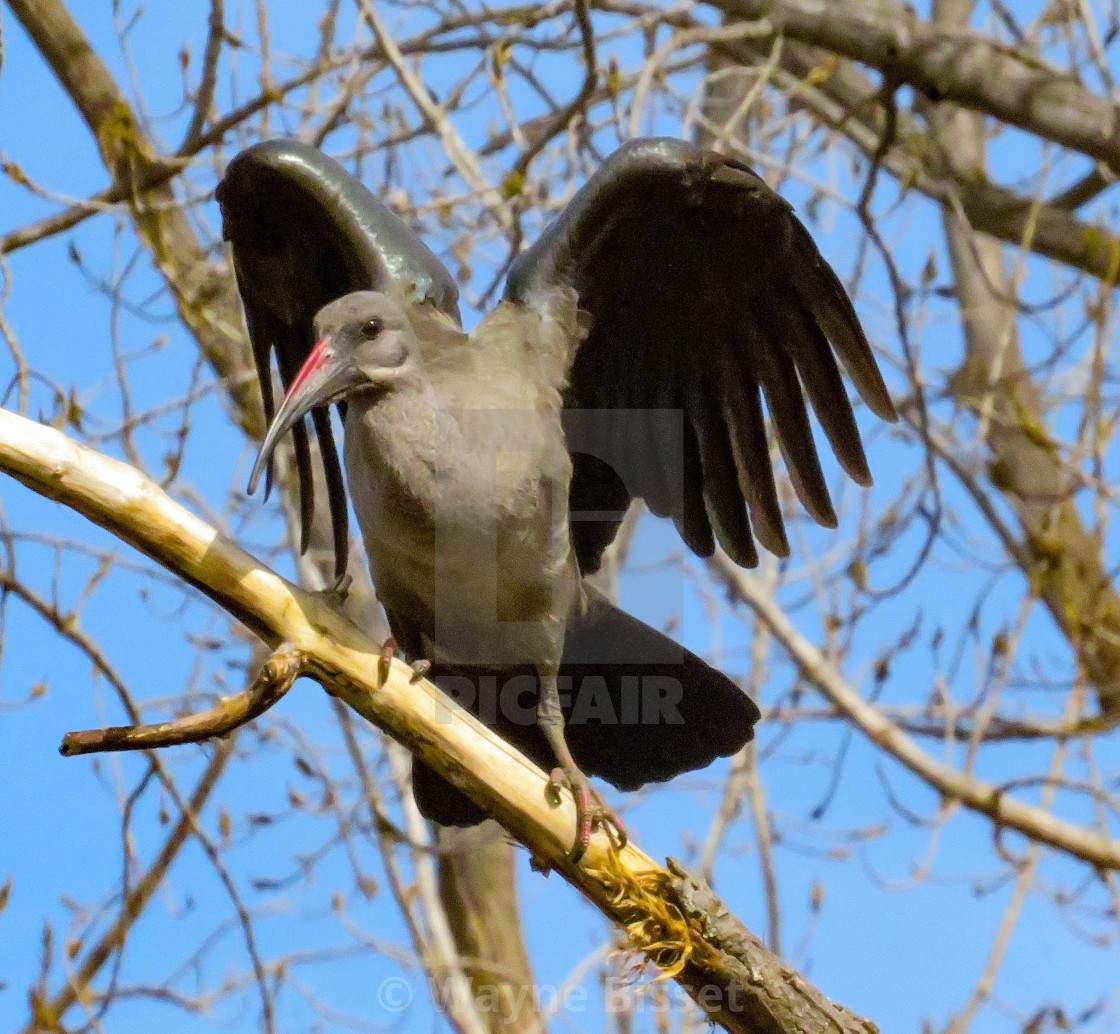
(304, 232)
(707, 296)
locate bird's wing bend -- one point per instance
(304, 232)
(703, 287)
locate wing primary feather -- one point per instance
(657, 424)
(824, 296)
(742, 406)
(820, 376)
(723, 496)
(666, 440)
(261, 341)
(306, 484)
(336, 488)
(693, 525)
(764, 340)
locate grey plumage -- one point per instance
(630, 359)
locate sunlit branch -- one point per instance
(675, 918)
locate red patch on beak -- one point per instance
(317, 359)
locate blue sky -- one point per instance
(894, 948)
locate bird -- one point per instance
(489, 470)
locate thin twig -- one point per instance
(1089, 845)
(275, 678)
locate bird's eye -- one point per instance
(371, 328)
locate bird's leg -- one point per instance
(592, 811)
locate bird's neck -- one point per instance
(395, 436)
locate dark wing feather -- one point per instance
(304, 232)
(706, 296)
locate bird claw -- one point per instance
(335, 594)
(385, 660)
(592, 810)
(389, 648)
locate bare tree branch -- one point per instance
(624, 883)
(844, 98)
(1092, 846)
(47, 1014)
(201, 288)
(477, 882)
(951, 64)
(273, 681)
(1068, 570)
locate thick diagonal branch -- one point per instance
(626, 885)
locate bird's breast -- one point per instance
(463, 513)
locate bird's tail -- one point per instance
(643, 708)
(638, 708)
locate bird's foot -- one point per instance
(389, 648)
(592, 810)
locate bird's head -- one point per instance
(364, 342)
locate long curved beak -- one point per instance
(322, 378)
